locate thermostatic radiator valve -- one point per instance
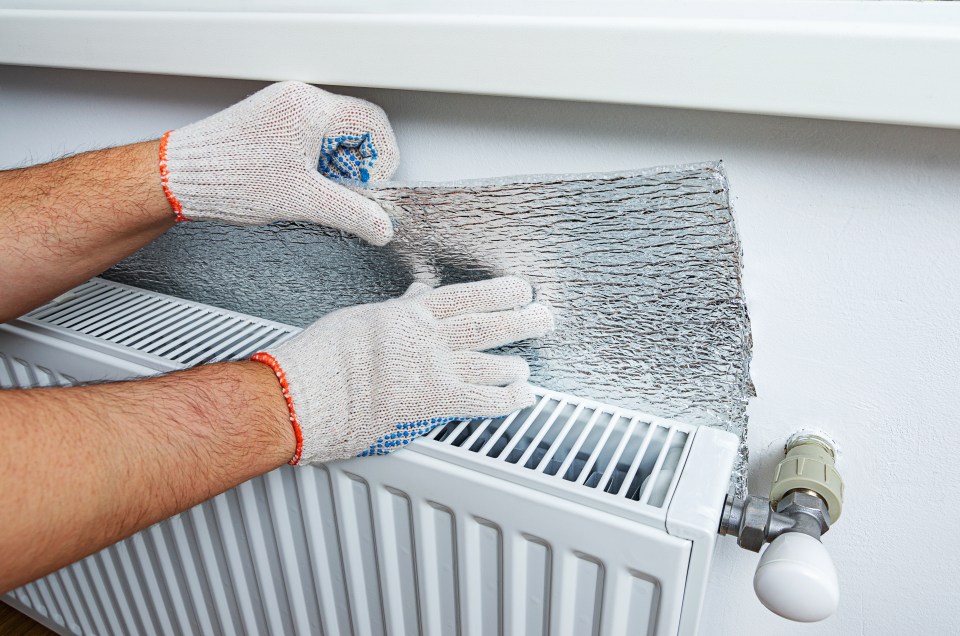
(795, 577)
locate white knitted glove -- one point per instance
(368, 379)
(268, 157)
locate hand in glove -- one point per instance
(369, 379)
(268, 158)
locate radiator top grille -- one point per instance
(591, 451)
(618, 452)
(176, 330)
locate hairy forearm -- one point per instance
(68, 220)
(86, 466)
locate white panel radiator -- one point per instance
(569, 517)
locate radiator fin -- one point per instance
(17, 373)
(163, 581)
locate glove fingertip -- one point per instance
(540, 320)
(379, 232)
(522, 369)
(520, 395)
(351, 212)
(371, 222)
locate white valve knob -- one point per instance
(796, 579)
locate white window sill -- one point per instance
(893, 62)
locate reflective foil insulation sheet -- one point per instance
(641, 267)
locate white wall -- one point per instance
(851, 236)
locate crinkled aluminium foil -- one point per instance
(642, 268)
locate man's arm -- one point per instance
(84, 467)
(68, 220)
(268, 158)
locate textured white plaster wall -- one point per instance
(851, 234)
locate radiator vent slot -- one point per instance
(180, 331)
(621, 453)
